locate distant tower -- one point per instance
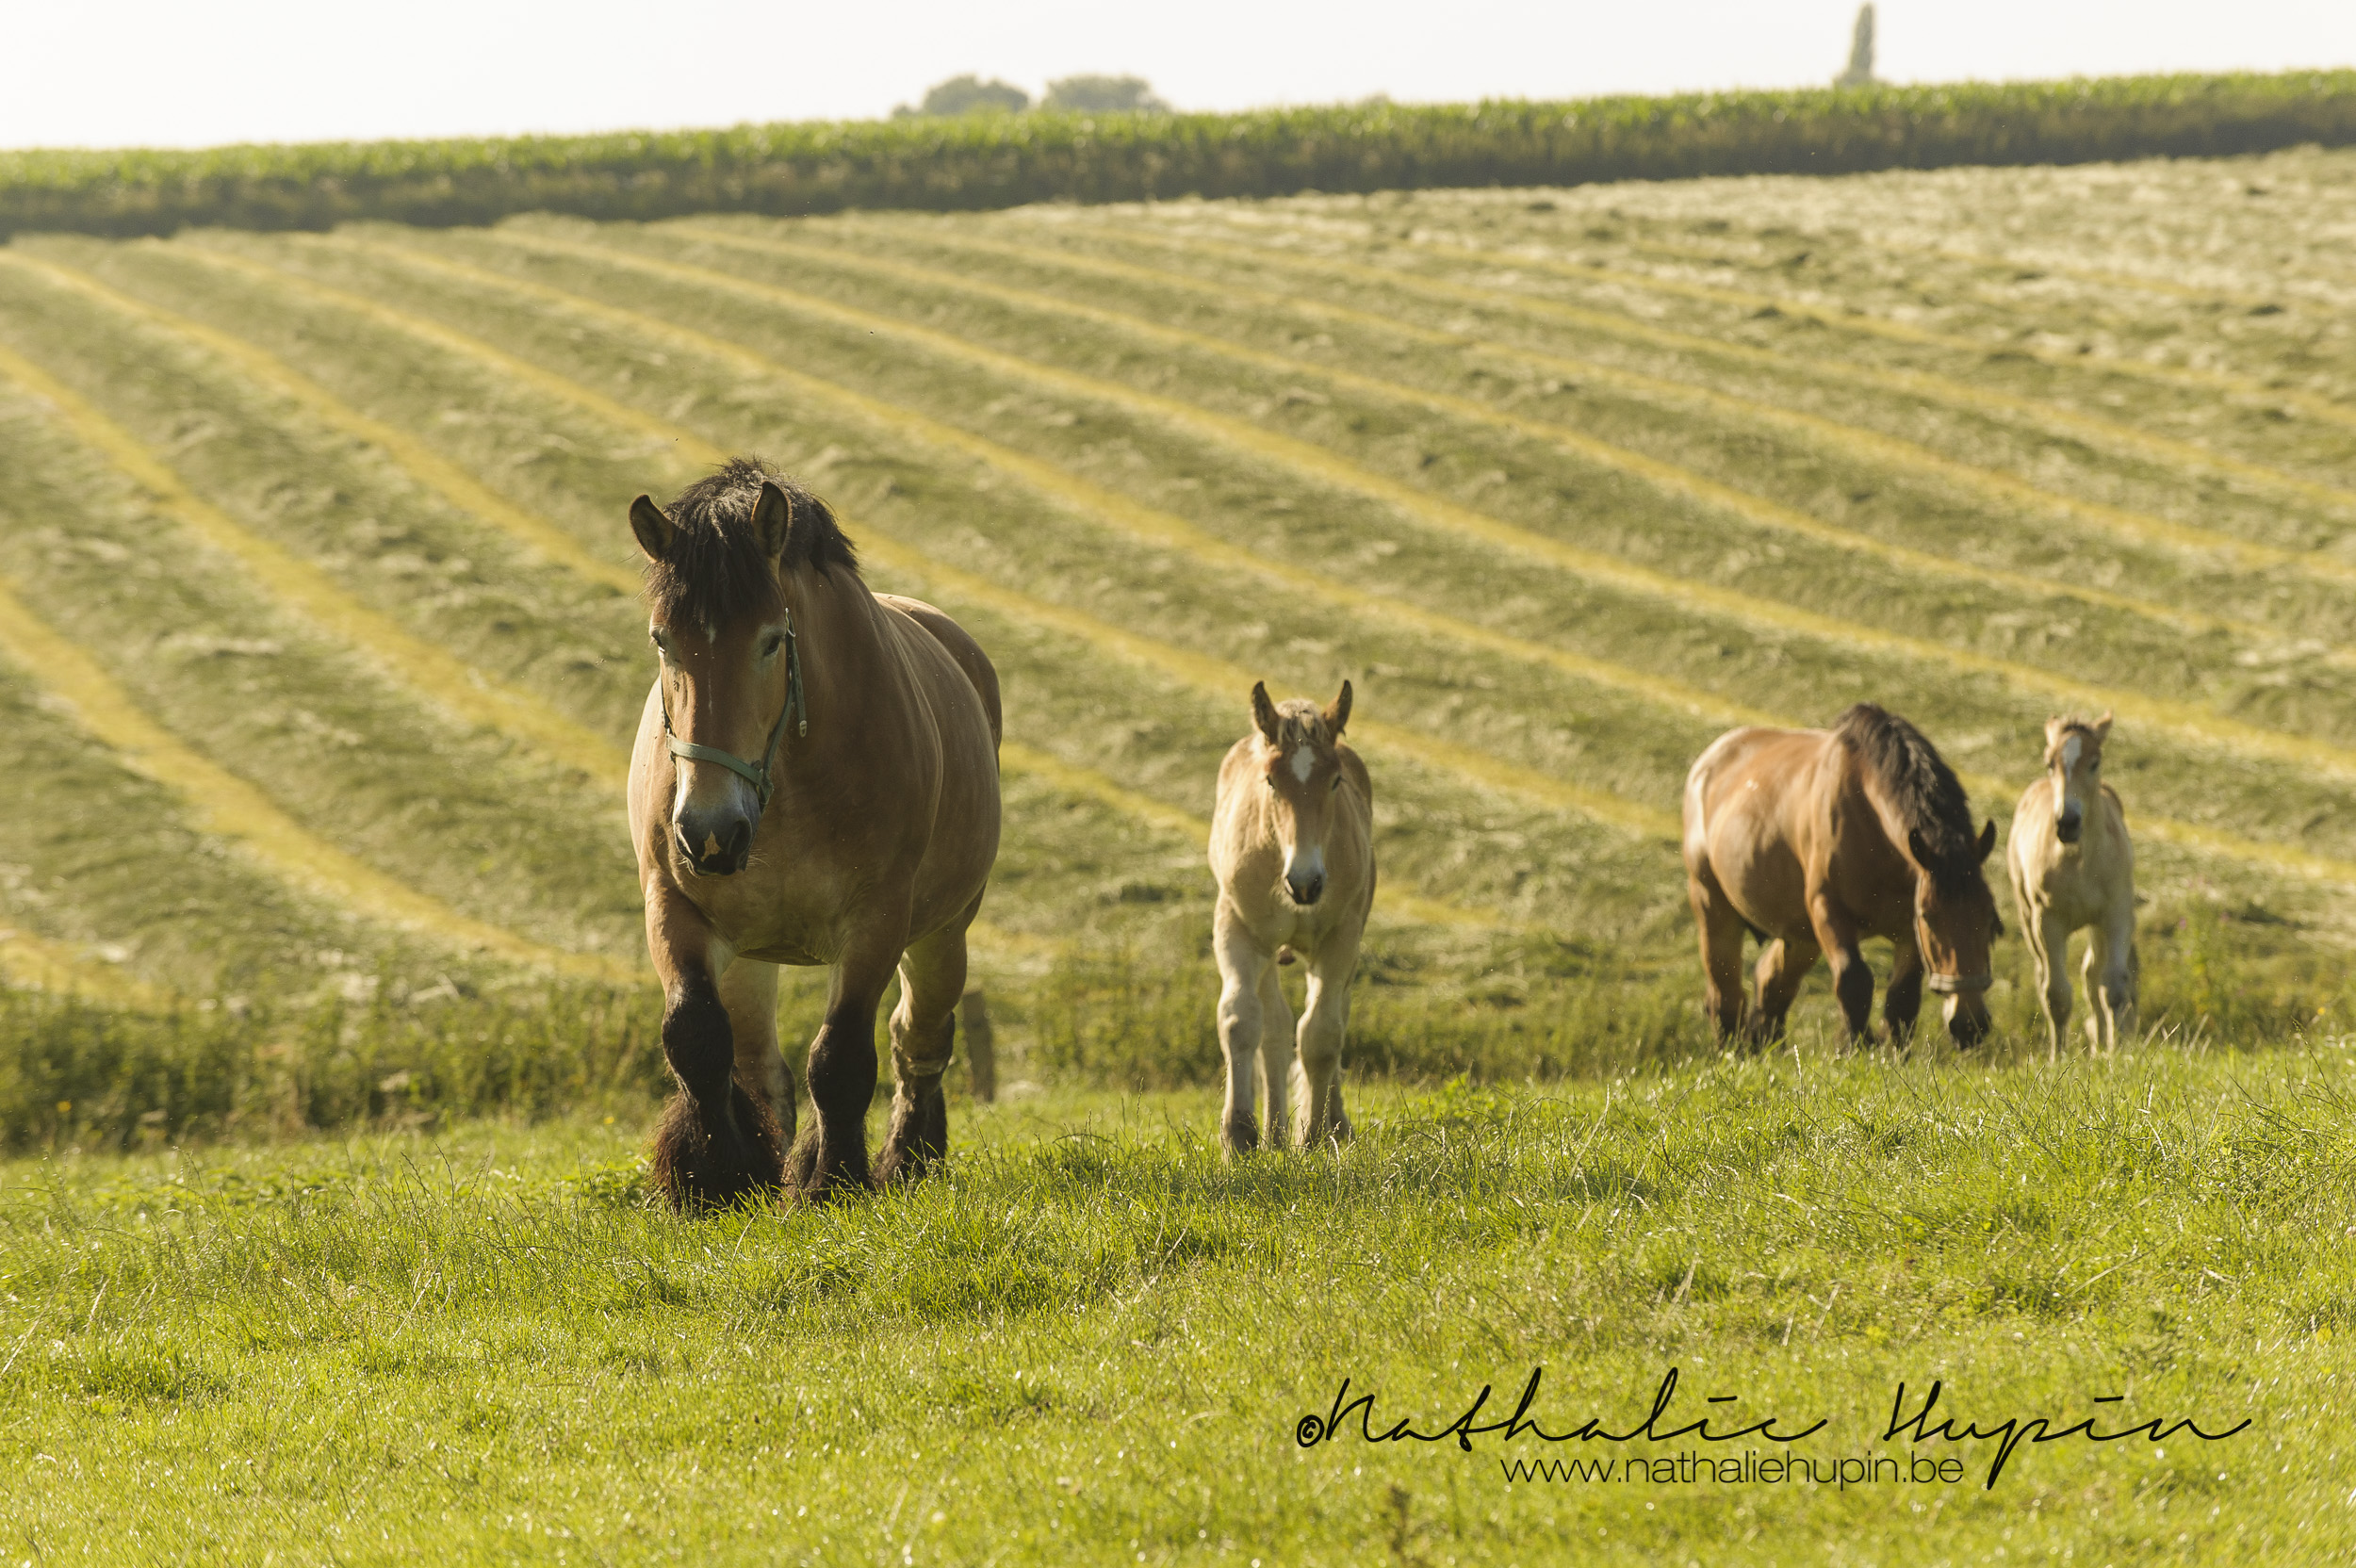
(1860, 71)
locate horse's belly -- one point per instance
(1759, 872)
(2069, 895)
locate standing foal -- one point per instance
(1292, 844)
(2073, 865)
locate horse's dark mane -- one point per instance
(1914, 778)
(715, 572)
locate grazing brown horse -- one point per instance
(815, 782)
(1814, 840)
(2072, 864)
(1292, 844)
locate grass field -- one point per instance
(1093, 1341)
(318, 659)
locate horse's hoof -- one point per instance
(836, 1185)
(1238, 1137)
(900, 1166)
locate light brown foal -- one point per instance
(2073, 866)
(1292, 844)
(815, 782)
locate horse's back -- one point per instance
(1747, 800)
(963, 651)
(959, 686)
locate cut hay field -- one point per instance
(319, 659)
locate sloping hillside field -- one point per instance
(320, 660)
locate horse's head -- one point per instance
(1300, 771)
(730, 677)
(2073, 760)
(1956, 927)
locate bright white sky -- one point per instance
(167, 72)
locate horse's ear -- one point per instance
(2103, 727)
(2054, 728)
(773, 517)
(1987, 838)
(654, 530)
(1337, 713)
(1263, 712)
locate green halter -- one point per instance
(760, 774)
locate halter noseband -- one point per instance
(1958, 984)
(760, 774)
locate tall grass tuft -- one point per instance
(102, 1077)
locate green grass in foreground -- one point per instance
(1092, 1340)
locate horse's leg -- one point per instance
(831, 1154)
(715, 1142)
(1902, 1003)
(1324, 1024)
(2110, 982)
(748, 992)
(1852, 977)
(1240, 966)
(2049, 942)
(1276, 1053)
(1721, 929)
(923, 1033)
(1781, 968)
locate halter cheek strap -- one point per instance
(1958, 984)
(761, 776)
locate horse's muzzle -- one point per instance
(1305, 890)
(2067, 826)
(1967, 1024)
(716, 843)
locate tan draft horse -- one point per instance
(815, 782)
(2073, 866)
(1292, 844)
(1814, 840)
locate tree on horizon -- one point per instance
(1104, 95)
(968, 94)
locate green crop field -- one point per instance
(329, 1034)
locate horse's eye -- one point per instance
(1269, 779)
(769, 649)
(1337, 782)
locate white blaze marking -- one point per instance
(1304, 763)
(2069, 753)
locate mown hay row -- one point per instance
(1668, 478)
(1306, 459)
(1210, 675)
(2112, 434)
(232, 807)
(1833, 436)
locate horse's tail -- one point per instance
(1697, 800)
